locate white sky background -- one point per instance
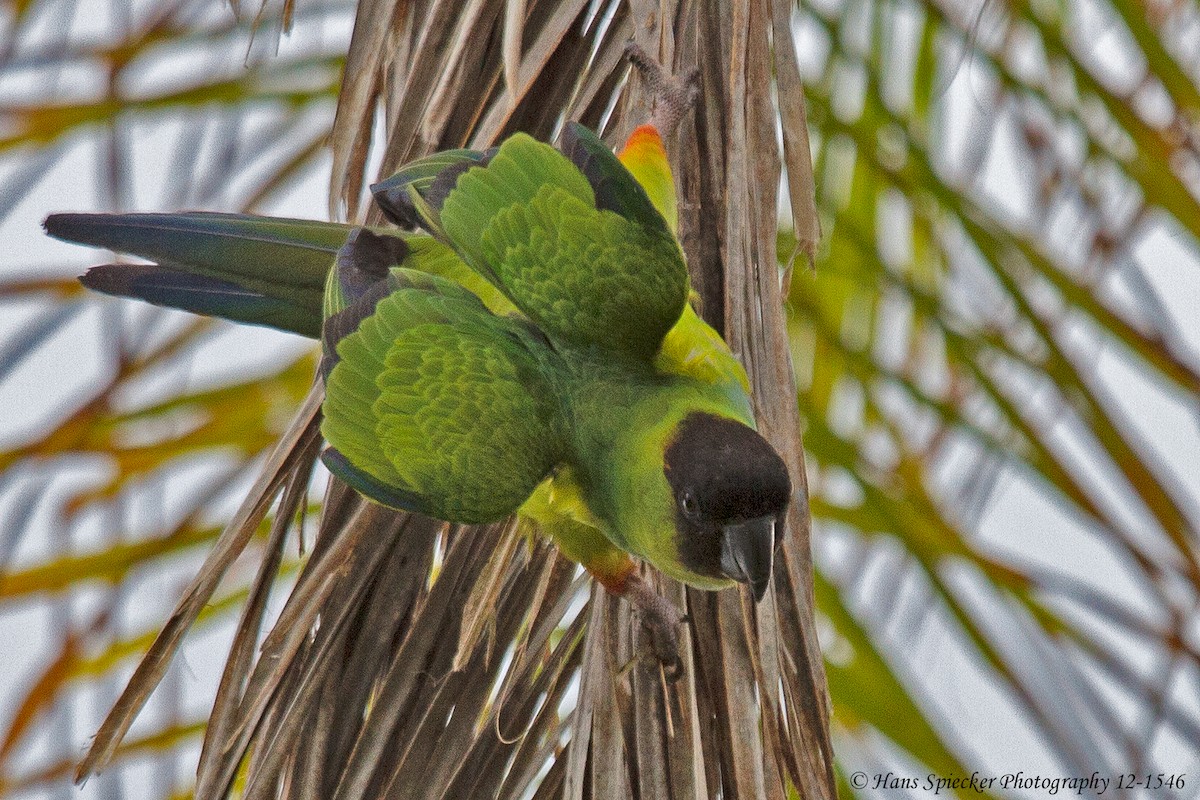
(1157, 282)
(50, 382)
(1017, 521)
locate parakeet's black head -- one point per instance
(731, 493)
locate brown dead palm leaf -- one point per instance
(417, 659)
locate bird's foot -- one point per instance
(661, 620)
(673, 95)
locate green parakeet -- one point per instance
(526, 346)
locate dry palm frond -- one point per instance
(416, 659)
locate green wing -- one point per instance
(596, 268)
(436, 405)
(616, 188)
(403, 198)
(367, 256)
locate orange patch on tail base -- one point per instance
(644, 142)
(646, 158)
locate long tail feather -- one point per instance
(258, 270)
(201, 294)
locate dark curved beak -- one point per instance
(747, 552)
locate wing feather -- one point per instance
(583, 274)
(442, 403)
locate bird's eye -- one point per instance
(687, 502)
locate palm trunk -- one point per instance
(377, 681)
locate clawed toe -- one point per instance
(673, 96)
(664, 642)
(661, 620)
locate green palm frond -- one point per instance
(958, 347)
